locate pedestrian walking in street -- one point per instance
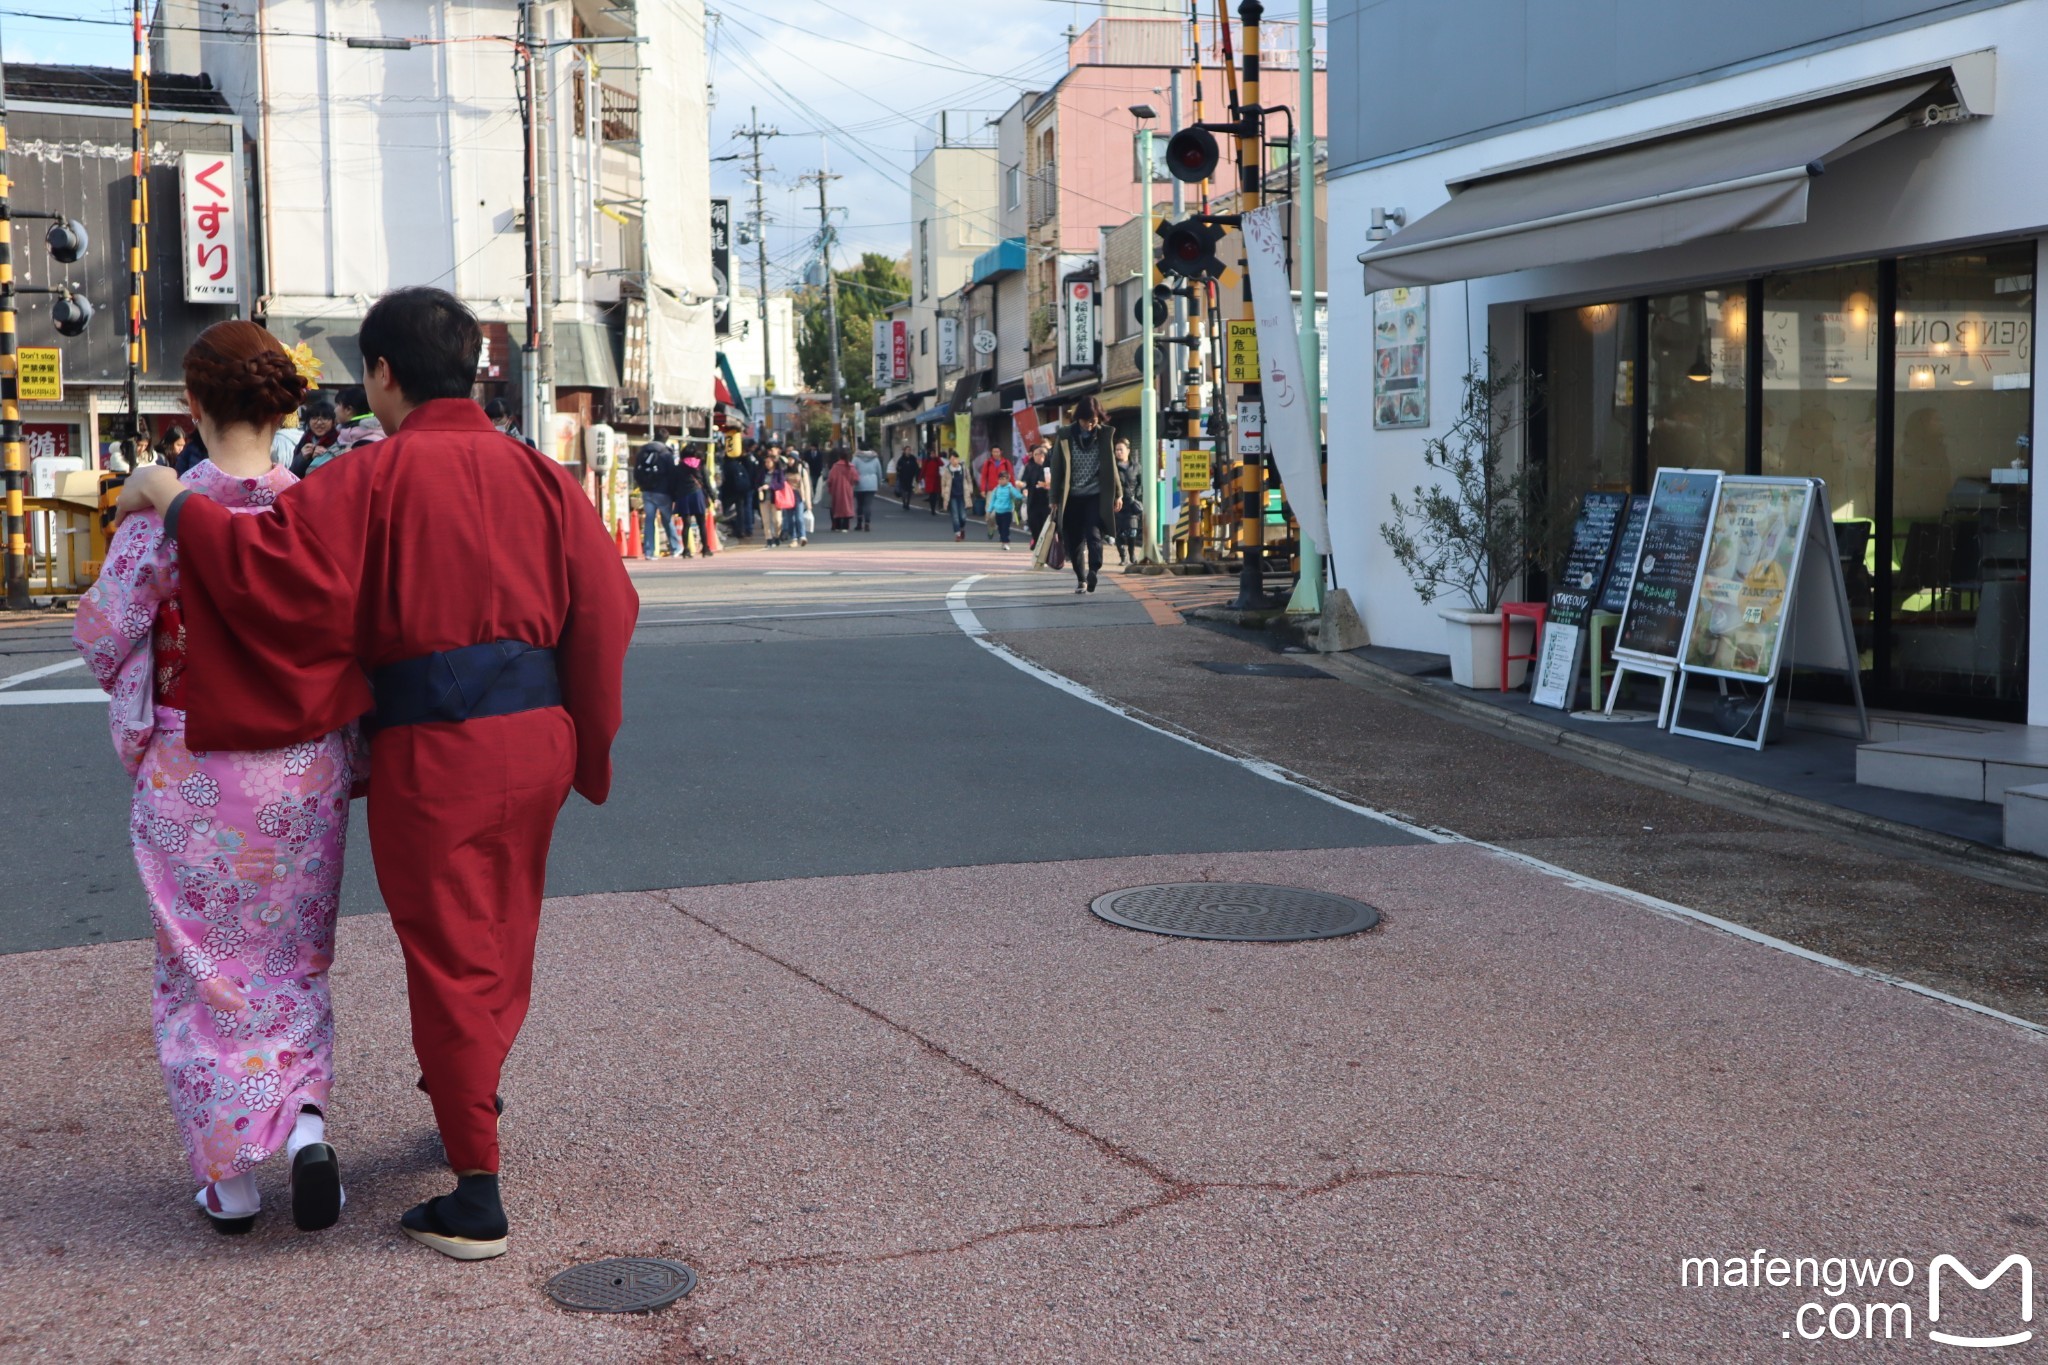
(654, 475)
(737, 492)
(778, 503)
(688, 494)
(1084, 485)
(929, 475)
(1131, 499)
(994, 468)
(1002, 510)
(953, 475)
(238, 838)
(840, 483)
(462, 586)
(317, 446)
(867, 471)
(1036, 482)
(906, 478)
(797, 521)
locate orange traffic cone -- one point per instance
(711, 533)
(630, 534)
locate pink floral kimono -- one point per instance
(240, 855)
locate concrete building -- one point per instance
(376, 168)
(953, 219)
(742, 348)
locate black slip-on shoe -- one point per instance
(316, 1187)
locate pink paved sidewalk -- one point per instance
(949, 1116)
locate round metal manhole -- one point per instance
(1238, 912)
(627, 1284)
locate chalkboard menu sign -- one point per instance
(1585, 565)
(1668, 564)
(1614, 596)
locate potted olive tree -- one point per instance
(1466, 537)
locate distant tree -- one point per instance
(865, 293)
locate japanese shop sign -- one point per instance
(1077, 323)
(899, 351)
(213, 254)
(1241, 352)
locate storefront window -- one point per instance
(1587, 373)
(1698, 367)
(1960, 492)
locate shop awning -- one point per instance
(1127, 397)
(1747, 172)
(933, 414)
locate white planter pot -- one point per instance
(1474, 639)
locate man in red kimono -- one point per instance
(458, 585)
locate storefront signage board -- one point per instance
(1400, 358)
(1770, 595)
(1614, 596)
(213, 251)
(1586, 568)
(1194, 471)
(1663, 577)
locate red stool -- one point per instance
(1534, 611)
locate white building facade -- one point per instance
(1795, 241)
(405, 164)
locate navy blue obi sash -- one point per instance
(494, 679)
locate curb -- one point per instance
(2017, 870)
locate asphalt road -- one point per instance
(789, 713)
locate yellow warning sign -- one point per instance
(1241, 352)
(1194, 470)
(40, 373)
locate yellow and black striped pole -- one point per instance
(10, 393)
(138, 231)
(1251, 173)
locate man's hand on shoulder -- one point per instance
(152, 486)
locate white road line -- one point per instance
(45, 671)
(54, 696)
(963, 615)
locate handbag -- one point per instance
(1056, 557)
(1041, 549)
(785, 498)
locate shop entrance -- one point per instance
(1905, 383)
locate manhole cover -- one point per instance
(1267, 670)
(627, 1284)
(1242, 912)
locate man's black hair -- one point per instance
(430, 341)
(660, 434)
(496, 409)
(354, 399)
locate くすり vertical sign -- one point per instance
(213, 253)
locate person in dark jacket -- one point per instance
(323, 432)
(691, 497)
(907, 470)
(1084, 489)
(654, 474)
(738, 489)
(1131, 491)
(1037, 486)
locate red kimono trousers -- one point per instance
(443, 535)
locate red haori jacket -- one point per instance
(446, 534)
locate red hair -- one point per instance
(240, 375)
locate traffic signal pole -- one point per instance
(1251, 140)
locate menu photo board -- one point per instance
(1585, 572)
(1771, 596)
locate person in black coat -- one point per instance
(1085, 489)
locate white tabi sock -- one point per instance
(236, 1195)
(311, 1127)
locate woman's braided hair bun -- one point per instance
(241, 375)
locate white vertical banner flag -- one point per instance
(1291, 436)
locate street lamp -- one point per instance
(1148, 397)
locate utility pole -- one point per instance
(1251, 181)
(754, 133)
(138, 232)
(1308, 589)
(823, 176)
(1148, 396)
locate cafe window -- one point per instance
(1906, 385)
(1962, 432)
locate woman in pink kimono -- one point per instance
(240, 853)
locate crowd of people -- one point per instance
(1086, 475)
